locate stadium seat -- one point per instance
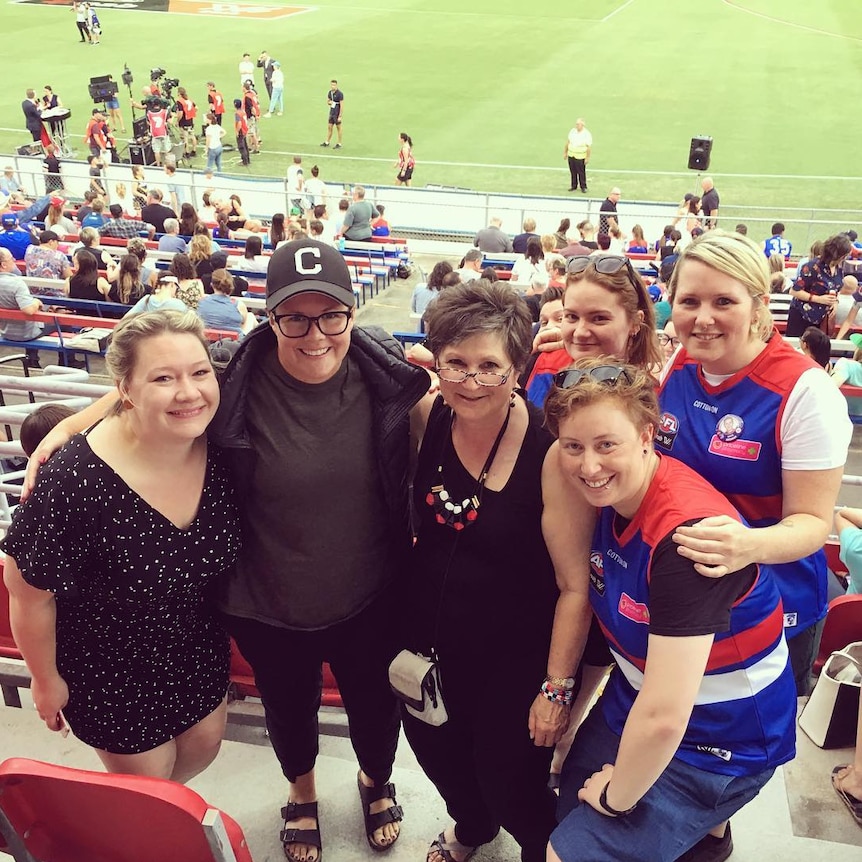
(60, 814)
(843, 626)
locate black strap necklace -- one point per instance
(460, 514)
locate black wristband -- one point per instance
(603, 801)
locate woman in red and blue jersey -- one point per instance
(700, 708)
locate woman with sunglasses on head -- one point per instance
(482, 590)
(606, 312)
(701, 705)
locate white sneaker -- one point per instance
(267, 114)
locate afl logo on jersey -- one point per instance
(729, 428)
(668, 428)
(597, 572)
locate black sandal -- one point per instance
(291, 835)
(373, 822)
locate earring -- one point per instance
(512, 399)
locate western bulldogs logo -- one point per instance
(597, 572)
(668, 428)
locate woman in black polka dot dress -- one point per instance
(109, 561)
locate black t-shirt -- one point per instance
(338, 97)
(155, 214)
(684, 603)
(607, 209)
(709, 202)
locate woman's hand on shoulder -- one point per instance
(55, 439)
(548, 721)
(50, 695)
(717, 545)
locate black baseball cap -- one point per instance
(307, 266)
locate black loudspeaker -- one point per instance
(698, 154)
(140, 127)
(141, 154)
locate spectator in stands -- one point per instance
(139, 188)
(221, 310)
(668, 340)
(11, 186)
(170, 240)
(608, 211)
(426, 292)
(561, 237)
(129, 284)
(603, 243)
(471, 268)
(849, 370)
(38, 423)
(642, 748)
(201, 257)
(45, 260)
(492, 239)
(490, 274)
(688, 213)
(155, 212)
(741, 229)
(848, 526)
(162, 298)
(57, 220)
(236, 216)
(709, 203)
(531, 265)
(188, 220)
(638, 243)
(14, 293)
(577, 249)
(176, 192)
(587, 232)
(815, 344)
(276, 231)
(617, 243)
(556, 265)
(85, 282)
(87, 207)
(124, 228)
(719, 286)
(13, 237)
(818, 282)
(357, 219)
(777, 244)
(89, 239)
(96, 218)
(379, 225)
(315, 190)
(114, 594)
(779, 280)
(471, 588)
(208, 211)
(138, 248)
(253, 259)
(542, 366)
(190, 288)
(519, 243)
(296, 186)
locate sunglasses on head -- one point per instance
(607, 264)
(609, 374)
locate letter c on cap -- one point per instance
(299, 260)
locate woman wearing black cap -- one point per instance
(316, 413)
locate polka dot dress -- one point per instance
(141, 650)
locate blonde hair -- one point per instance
(131, 332)
(634, 391)
(736, 256)
(549, 243)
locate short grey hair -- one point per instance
(171, 225)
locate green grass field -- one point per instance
(488, 90)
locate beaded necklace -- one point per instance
(460, 514)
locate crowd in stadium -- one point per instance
(581, 467)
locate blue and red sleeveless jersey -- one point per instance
(743, 720)
(541, 379)
(730, 435)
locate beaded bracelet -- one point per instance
(557, 694)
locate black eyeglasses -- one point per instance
(483, 378)
(664, 339)
(299, 325)
(609, 374)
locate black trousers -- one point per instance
(83, 30)
(242, 146)
(578, 170)
(287, 672)
(483, 762)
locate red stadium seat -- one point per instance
(72, 815)
(843, 626)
